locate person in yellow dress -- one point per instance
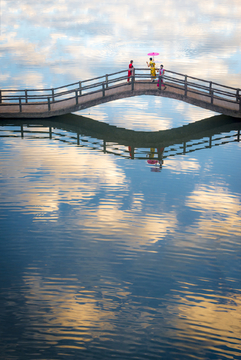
(152, 65)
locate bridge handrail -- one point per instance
(203, 87)
(207, 81)
(63, 93)
(115, 73)
(43, 96)
(102, 83)
(172, 148)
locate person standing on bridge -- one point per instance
(131, 70)
(152, 65)
(160, 82)
(154, 161)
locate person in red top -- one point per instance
(130, 71)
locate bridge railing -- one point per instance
(30, 96)
(209, 89)
(72, 137)
(188, 84)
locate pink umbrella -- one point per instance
(152, 161)
(153, 54)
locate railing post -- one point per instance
(238, 135)
(184, 147)
(185, 85)
(106, 79)
(76, 96)
(0, 96)
(210, 141)
(211, 96)
(132, 152)
(132, 82)
(210, 87)
(26, 96)
(103, 89)
(20, 105)
(50, 132)
(80, 88)
(77, 138)
(104, 146)
(22, 132)
(239, 104)
(237, 95)
(48, 104)
(53, 95)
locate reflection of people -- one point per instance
(153, 69)
(130, 71)
(160, 82)
(155, 161)
(160, 152)
(131, 151)
(151, 156)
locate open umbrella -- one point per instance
(153, 54)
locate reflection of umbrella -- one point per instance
(153, 54)
(152, 161)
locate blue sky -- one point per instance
(50, 43)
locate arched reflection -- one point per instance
(156, 145)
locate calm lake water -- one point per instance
(120, 249)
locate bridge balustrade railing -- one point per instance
(62, 92)
(72, 137)
(209, 89)
(192, 85)
(189, 85)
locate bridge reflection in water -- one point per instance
(156, 145)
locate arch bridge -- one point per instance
(45, 103)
